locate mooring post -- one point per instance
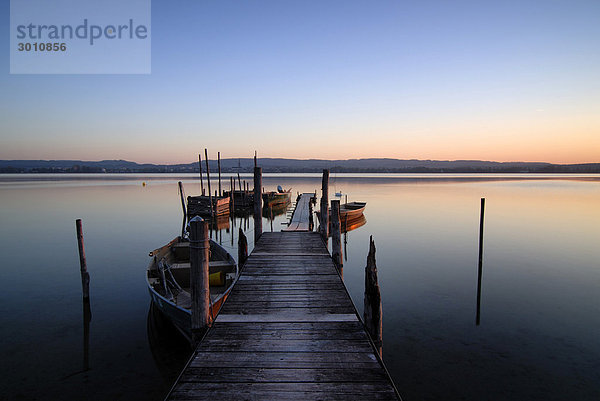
(242, 248)
(372, 308)
(257, 204)
(212, 209)
(480, 264)
(200, 166)
(85, 277)
(219, 165)
(232, 190)
(336, 236)
(310, 216)
(200, 292)
(182, 196)
(324, 223)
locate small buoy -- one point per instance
(144, 183)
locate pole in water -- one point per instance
(324, 223)
(200, 166)
(219, 164)
(200, 292)
(480, 264)
(242, 248)
(257, 204)
(372, 308)
(255, 161)
(85, 277)
(212, 211)
(336, 236)
(181, 195)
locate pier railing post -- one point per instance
(324, 223)
(85, 276)
(257, 203)
(372, 308)
(200, 291)
(336, 236)
(242, 248)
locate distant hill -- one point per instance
(271, 165)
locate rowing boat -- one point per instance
(168, 280)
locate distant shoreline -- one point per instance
(277, 165)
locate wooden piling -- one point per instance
(212, 207)
(372, 307)
(324, 223)
(85, 277)
(231, 197)
(255, 160)
(182, 196)
(200, 166)
(242, 248)
(219, 166)
(336, 236)
(257, 203)
(199, 280)
(480, 264)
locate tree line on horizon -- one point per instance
(278, 165)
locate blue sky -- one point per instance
(503, 81)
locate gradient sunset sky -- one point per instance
(489, 80)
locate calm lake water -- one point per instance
(540, 307)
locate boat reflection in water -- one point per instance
(170, 350)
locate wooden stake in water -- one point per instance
(372, 308)
(242, 248)
(180, 184)
(219, 164)
(257, 203)
(324, 223)
(336, 236)
(210, 199)
(480, 264)
(85, 277)
(199, 280)
(200, 166)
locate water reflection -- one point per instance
(87, 318)
(541, 240)
(170, 350)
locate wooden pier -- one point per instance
(301, 217)
(288, 331)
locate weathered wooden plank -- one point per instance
(283, 391)
(290, 335)
(256, 375)
(276, 345)
(284, 359)
(317, 326)
(287, 317)
(300, 278)
(337, 387)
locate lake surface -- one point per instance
(538, 339)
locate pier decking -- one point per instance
(301, 216)
(288, 330)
